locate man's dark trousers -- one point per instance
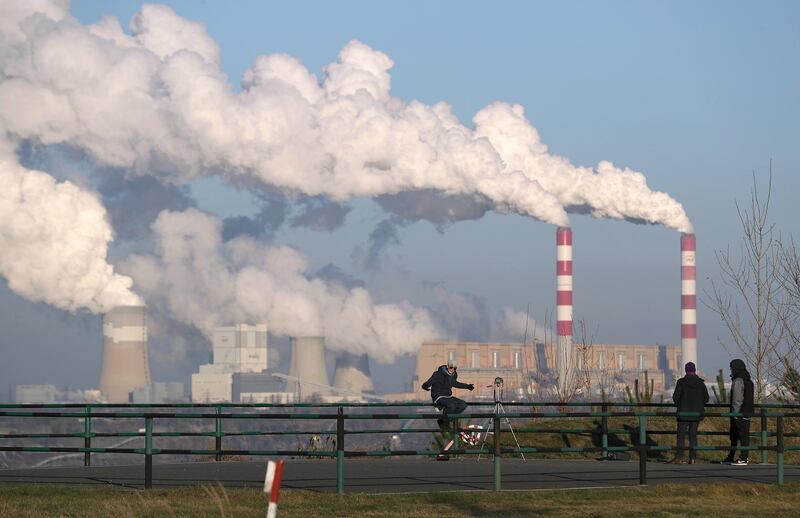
(684, 428)
(739, 433)
(449, 405)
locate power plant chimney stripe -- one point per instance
(689, 273)
(564, 298)
(689, 331)
(564, 236)
(563, 267)
(688, 302)
(564, 283)
(564, 328)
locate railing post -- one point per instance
(218, 433)
(496, 427)
(604, 430)
(340, 451)
(779, 450)
(87, 435)
(764, 435)
(642, 449)
(148, 452)
(456, 435)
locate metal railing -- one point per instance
(338, 414)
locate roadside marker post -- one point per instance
(272, 486)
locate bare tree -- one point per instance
(583, 358)
(747, 296)
(790, 278)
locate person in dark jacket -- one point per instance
(742, 402)
(441, 385)
(690, 395)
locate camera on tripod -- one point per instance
(498, 389)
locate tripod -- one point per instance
(498, 409)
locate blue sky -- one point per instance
(696, 95)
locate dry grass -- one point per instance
(666, 501)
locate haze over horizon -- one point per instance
(386, 174)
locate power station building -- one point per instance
(528, 370)
(237, 349)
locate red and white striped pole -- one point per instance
(688, 299)
(272, 486)
(564, 306)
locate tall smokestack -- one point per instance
(352, 373)
(564, 306)
(688, 299)
(125, 366)
(308, 365)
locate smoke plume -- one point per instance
(155, 102)
(207, 282)
(53, 242)
(468, 316)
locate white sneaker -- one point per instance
(740, 462)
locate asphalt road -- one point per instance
(404, 475)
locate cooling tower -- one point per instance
(125, 365)
(688, 299)
(564, 306)
(308, 365)
(352, 373)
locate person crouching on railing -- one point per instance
(441, 385)
(691, 395)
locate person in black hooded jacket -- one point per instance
(742, 392)
(441, 385)
(691, 395)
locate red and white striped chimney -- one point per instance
(564, 305)
(688, 299)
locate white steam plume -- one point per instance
(609, 192)
(53, 241)
(206, 282)
(468, 316)
(157, 101)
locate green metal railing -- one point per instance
(338, 414)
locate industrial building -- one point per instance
(529, 370)
(45, 394)
(35, 394)
(241, 348)
(260, 387)
(158, 393)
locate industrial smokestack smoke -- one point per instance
(343, 135)
(125, 365)
(688, 298)
(564, 305)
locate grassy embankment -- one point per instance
(667, 500)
